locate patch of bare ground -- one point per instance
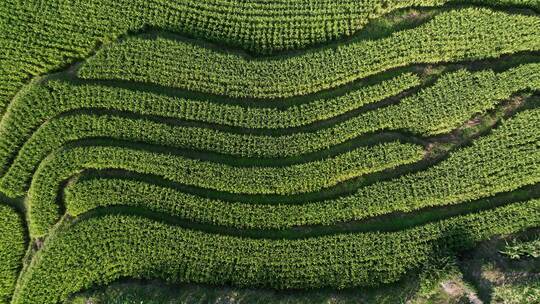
(228, 298)
(412, 16)
(457, 290)
(473, 122)
(38, 243)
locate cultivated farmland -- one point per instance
(286, 144)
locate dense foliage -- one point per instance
(42, 196)
(523, 249)
(453, 99)
(503, 161)
(12, 247)
(99, 250)
(464, 34)
(37, 38)
(286, 144)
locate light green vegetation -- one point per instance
(433, 110)
(38, 38)
(523, 249)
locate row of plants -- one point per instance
(503, 161)
(289, 113)
(437, 109)
(98, 250)
(12, 249)
(37, 39)
(293, 179)
(40, 103)
(456, 35)
(312, 176)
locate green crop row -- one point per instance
(523, 249)
(37, 38)
(101, 249)
(312, 176)
(298, 178)
(503, 161)
(464, 34)
(453, 99)
(12, 248)
(43, 102)
(264, 115)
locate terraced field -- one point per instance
(288, 144)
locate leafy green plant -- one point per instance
(522, 249)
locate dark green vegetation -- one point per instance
(277, 144)
(12, 247)
(523, 249)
